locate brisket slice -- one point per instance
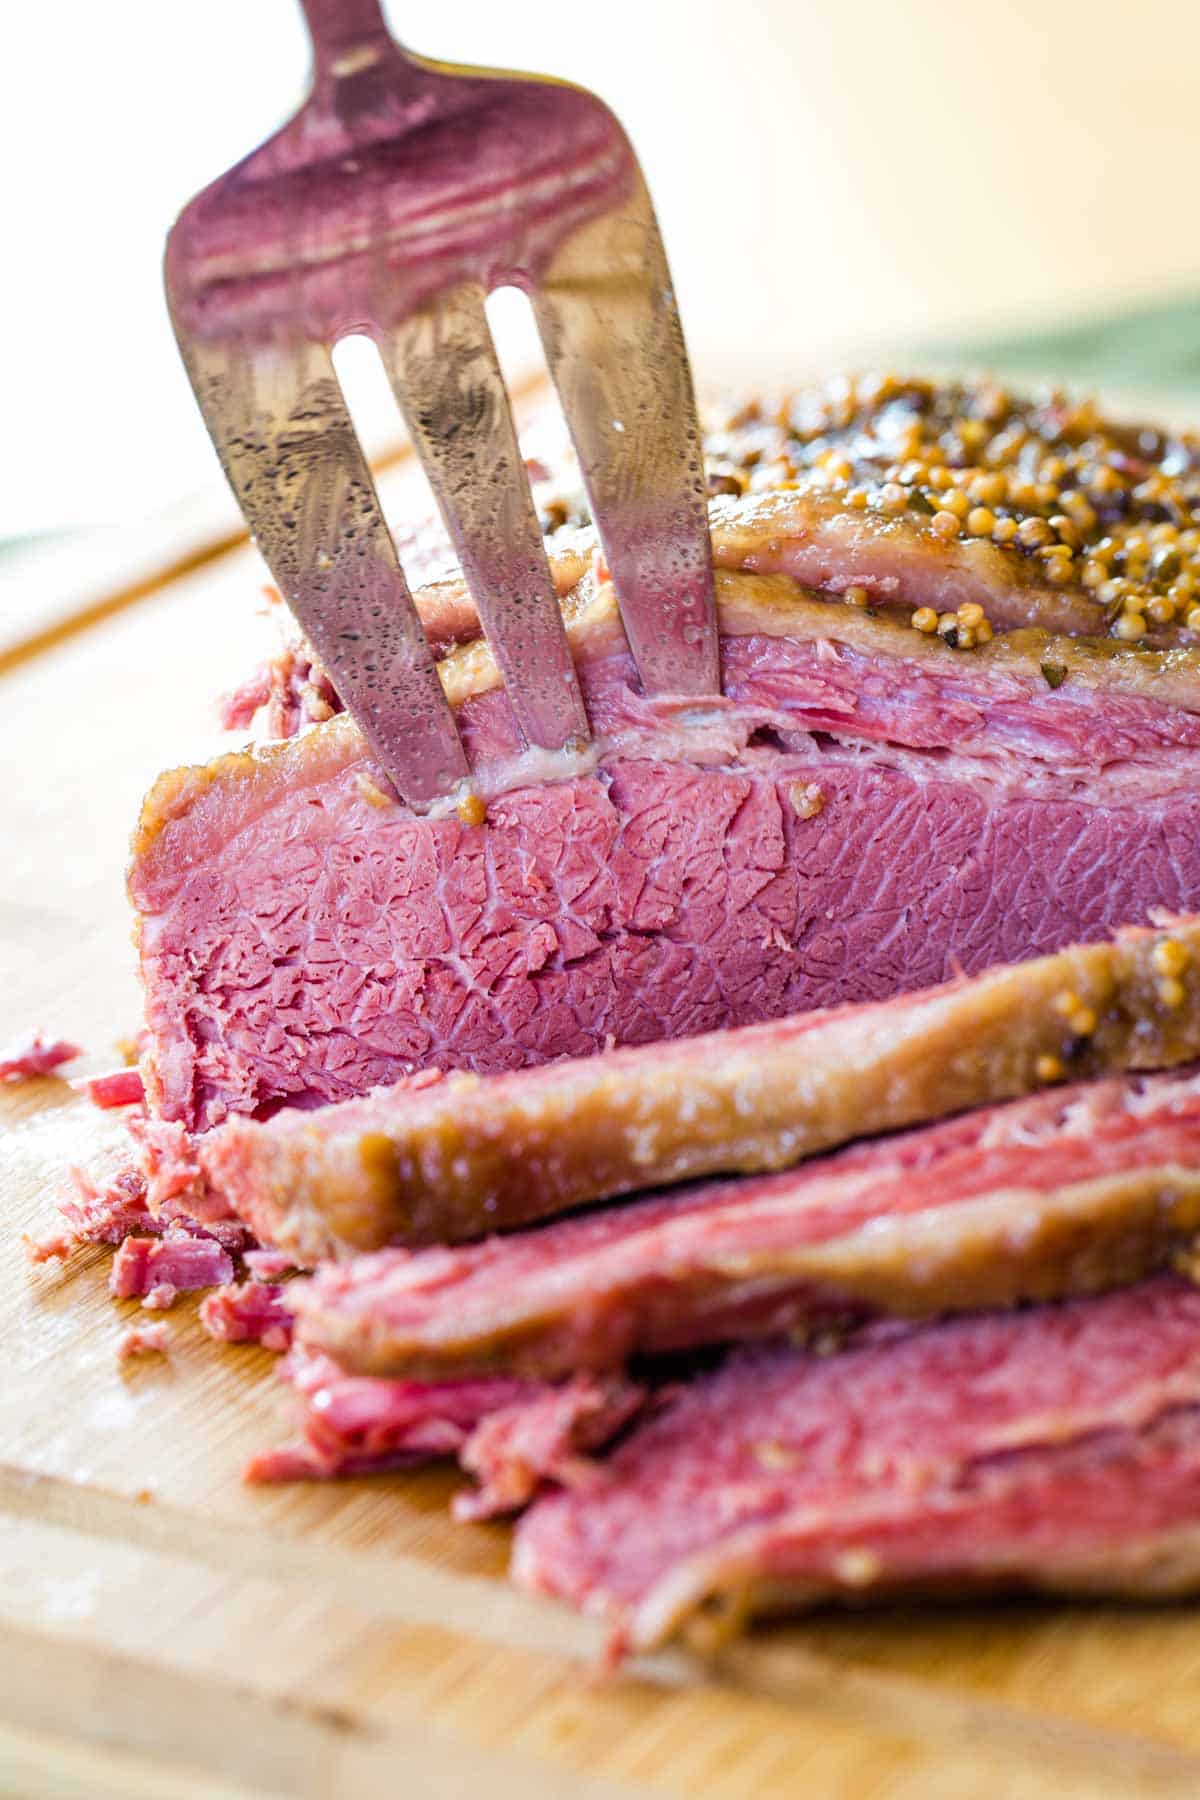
(865, 810)
(515, 1451)
(1054, 1449)
(1075, 1190)
(465, 1156)
(512, 1435)
(351, 1425)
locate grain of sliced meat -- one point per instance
(1073, 1190)
(468, 1155)
(865, 811)
(1057, 1449)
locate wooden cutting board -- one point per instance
(165, 1631)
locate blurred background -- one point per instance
(837, 184)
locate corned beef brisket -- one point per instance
(848, 489)
(959, 728)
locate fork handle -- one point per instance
(343, 30)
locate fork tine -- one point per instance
(291, 455)
(443, 369)
(606, 311)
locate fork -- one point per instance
(402, 192)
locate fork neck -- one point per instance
(347, 35)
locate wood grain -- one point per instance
(166, 1631)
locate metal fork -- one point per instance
(400, 194)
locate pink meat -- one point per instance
(350, 1425)
(293, 689)
(513, 1435)
(118, 1209)
(249, 1312)
(513, 1451)
(120, 1087)
(99, 1215)
(160, 1268)
(108, 1214)
(237, 707)
(267, 1265)
(477, 1155)
(1059, 1447)
(896, 1219)
(231, 1234)
(174, 1178)
(844, 825)
(144, 1340)
(33, 1055)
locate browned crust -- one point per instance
(755, 525)
(471, 1155)
(773, 605)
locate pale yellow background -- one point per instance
(832, 179)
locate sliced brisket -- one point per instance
(466, 1156)
(1075, 1190)
(512, 1435)
(865, 810)
(1055, 1449)
(543, 1439)
(349, 1007)
(351, 1425)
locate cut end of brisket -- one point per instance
(864, 810)
(349, 1425)
(515, 1437)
